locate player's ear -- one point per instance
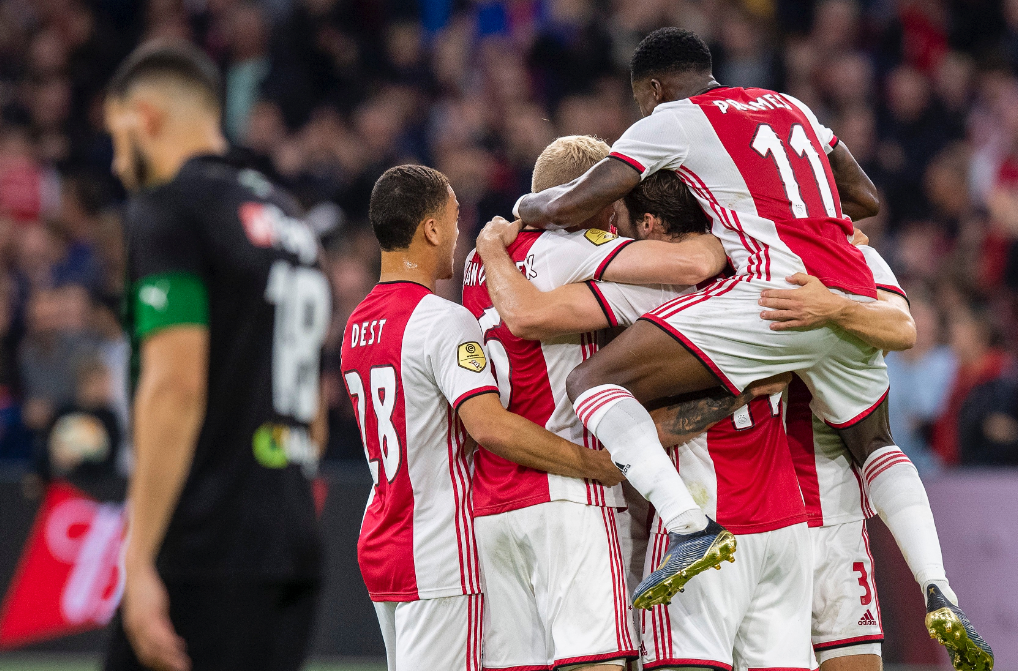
(429, 227)
(150, 118)
(648, 224)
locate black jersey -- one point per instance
(222, 246)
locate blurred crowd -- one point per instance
(323, 95)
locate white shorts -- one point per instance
(846, 612)
(721, 326)
(442, 633)
(753, 614)
(555, 587)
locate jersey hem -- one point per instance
(838, 521)
(682, 661)
(589, 659)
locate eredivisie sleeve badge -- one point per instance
(599, 237)
(470, 355)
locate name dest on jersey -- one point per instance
(364, 334)
(268, 226)
(473, 273)
(765, 102)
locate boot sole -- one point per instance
(722, 549)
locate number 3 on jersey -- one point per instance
(302, 299)
(383, 402)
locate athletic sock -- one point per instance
(896, 492)
(627, 431)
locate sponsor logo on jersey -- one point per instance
(599, 237)
(622, 467)
(470, 355)
(268, 226)
(867, 620)
(279, 446)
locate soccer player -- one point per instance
(846, 615)
(417, 373)
(228, 310)
(777, 185)
(756, 613)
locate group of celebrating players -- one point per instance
(556, 462)
(636, 322)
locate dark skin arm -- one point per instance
(680, 422)
(859, 197)
(577, 201)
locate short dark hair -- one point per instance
(668, 50)
(401, 199)
(666, 196)
(172, 60)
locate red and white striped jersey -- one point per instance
(756, 161)
(410, 358)
(739, 471)
(532, 374)
(830, 481)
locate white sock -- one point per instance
(896, 492)
(627, 431)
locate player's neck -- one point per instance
(178, 148)
(401, 266)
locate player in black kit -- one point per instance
(228, 310)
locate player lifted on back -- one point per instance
(774, 181)
(418, 377)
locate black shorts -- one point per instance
(241, 627)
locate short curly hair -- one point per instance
(668, 50)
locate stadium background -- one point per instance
(325, 94)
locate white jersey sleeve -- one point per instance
(559, 257)
(655, 142)
(883, 276)
(826, 136)
(624, 304)
(455, 356)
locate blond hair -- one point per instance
(567, 158)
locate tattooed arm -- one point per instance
(683, 420)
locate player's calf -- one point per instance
(852, 663)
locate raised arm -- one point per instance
(687, 263)
(885, 324)
(859, 197)
(521, 441)
(574, 203)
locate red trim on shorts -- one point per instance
(679, 661)
(695, 351)
(470, 394)
(599, 273)
(873, 580)
(604, 657)
(861, 416)
(834, 142)
(845, 642)
(631, 162)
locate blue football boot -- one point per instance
(948, 625)
(688, 555)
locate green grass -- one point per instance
(40, 662)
